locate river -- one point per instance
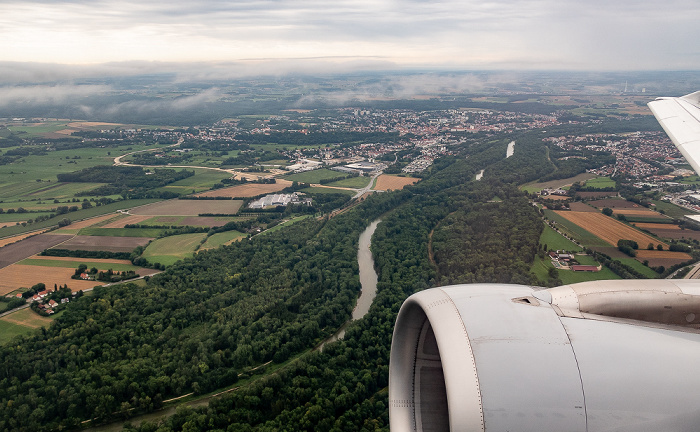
(511, 149)
(368, 281)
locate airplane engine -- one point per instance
(596, 356)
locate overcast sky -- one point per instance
(357, 34)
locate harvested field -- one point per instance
(579, 206)
(645, 212)
(662, 258)
(29, 246)
(104, 243)
(21, 275)
(90, 222)
(131, 219)
(27, 318)
(6, 224)
(613, 203)
(607, 228)
(206, 221)
(612, 252)
(188, 207)
(589, 195)
(391, 182)
(653, 226)
(247, 190)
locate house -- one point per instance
(65, 300)
(52, 303)
(84, 276)
(42, 294)
(36, 298)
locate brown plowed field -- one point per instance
(614, 203)
(664, 258)
(579, 206)
(14, 239)
(188, 207)
(677, 234)
(390, 182)
(18, 251)
(104, 243)
(248, 190)
(596, 194)
(131, 219)
(607, 228)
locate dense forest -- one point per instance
(204, 321)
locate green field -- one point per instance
(203, 179)
(672, 210)
(9, 330)
(574, 231)
(118, 232)
(285, 224)
(352, 182)
(314, 176)
(169, 250)
(556, 241)
(179, 220)
(220, 239)
(641, 268)
(76, 263)
(600, 183)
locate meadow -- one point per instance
(169, 250)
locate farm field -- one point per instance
(20, 275)
(641, 212)
(662, 258)
(77, 215)
(391, 182)
(14, 252)
(600, 183)
(655, 226)
(613, 203)
(102, 243)
(61, 190)
(582, 207)
(202, 180)
(637, 265)
(200, 221)
(27, 318)
(248, 190)
(9, 330)
(73, 263)
(672, 210)
(13, 239)
(121, 232)
(314, 176)
(168, 250)
(188, 208)
(90, 222)
(607, 228)
(596, 195)
(556, 184)
(352, 182)
(221, 239)
(574, 231)
(555, 241)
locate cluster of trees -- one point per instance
(629, 247)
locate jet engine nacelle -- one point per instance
(594, 356)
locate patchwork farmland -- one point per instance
(248, 190)
(608, 228)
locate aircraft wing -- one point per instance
(680, 118)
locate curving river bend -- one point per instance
(368, 280)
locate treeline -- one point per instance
(85, 254)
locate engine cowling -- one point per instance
(595, 356)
